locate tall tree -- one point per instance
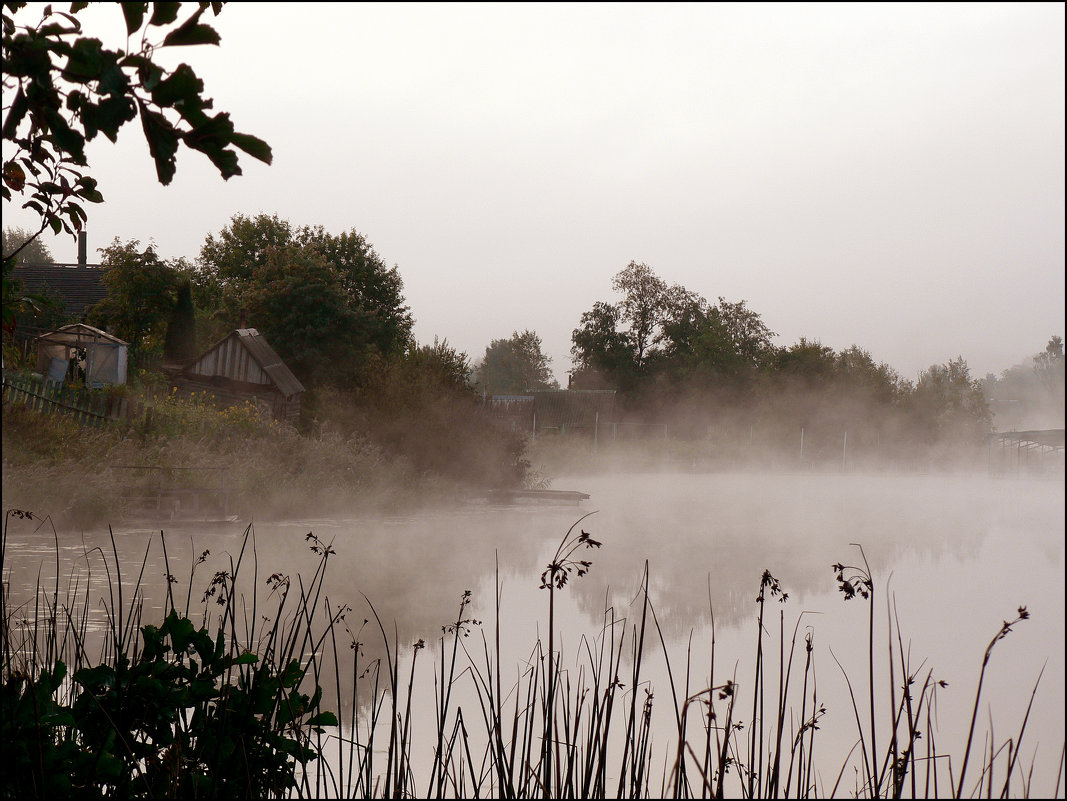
(515, 365)
(31, 250)
(363, 312)
(180, 342)
(647, 303)
(601, 350)
(1048, 367)
(142, 291)
(666, 332)
(949, 404)
(296, 300)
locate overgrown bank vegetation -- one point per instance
(236, 686)
(271, 471)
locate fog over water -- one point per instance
(958, 554)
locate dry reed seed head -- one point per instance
(277, 581)
(588, 541)
(217, 589)
(769, 582)
(420, 644)
(318, 546)
(21, 514)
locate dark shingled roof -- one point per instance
(80, 287)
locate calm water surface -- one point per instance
(956, 556)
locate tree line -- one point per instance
(335, 311)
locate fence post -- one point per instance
(844, 452)
(596, 431)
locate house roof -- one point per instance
(80, 287)
(262, 354)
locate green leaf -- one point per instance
(62, 135)
(323, 719)
(181, 85)
(94, 679)
(19, 106)
(85, 62)
(74, 208)
(181, 631)
(134, 13)
(253, 146)
(14, 176)
(162, 142)
(113, 80)
(164, 13)
(191, 32)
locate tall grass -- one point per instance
(242, 702)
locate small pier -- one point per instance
(552, 496)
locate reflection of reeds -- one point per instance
(558, 730)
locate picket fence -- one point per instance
(88, 407)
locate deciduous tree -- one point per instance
(142, 290)
(363, 306)
(515, 365)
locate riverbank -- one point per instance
(53, 466)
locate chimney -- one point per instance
(83, 254)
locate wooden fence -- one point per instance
(88, 407)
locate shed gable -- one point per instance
(244, 356)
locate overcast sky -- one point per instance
(885, 175)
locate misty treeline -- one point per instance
(335, 311)
(712, 368)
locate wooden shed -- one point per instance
(241, 367)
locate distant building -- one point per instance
(78, 286)
(574, 409)
(553, 409)
(241, 367)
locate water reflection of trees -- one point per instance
(715, 535)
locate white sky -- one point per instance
(885, 175)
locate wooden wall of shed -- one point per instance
(231, 360)
(268, 400)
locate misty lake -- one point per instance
(956, 555)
